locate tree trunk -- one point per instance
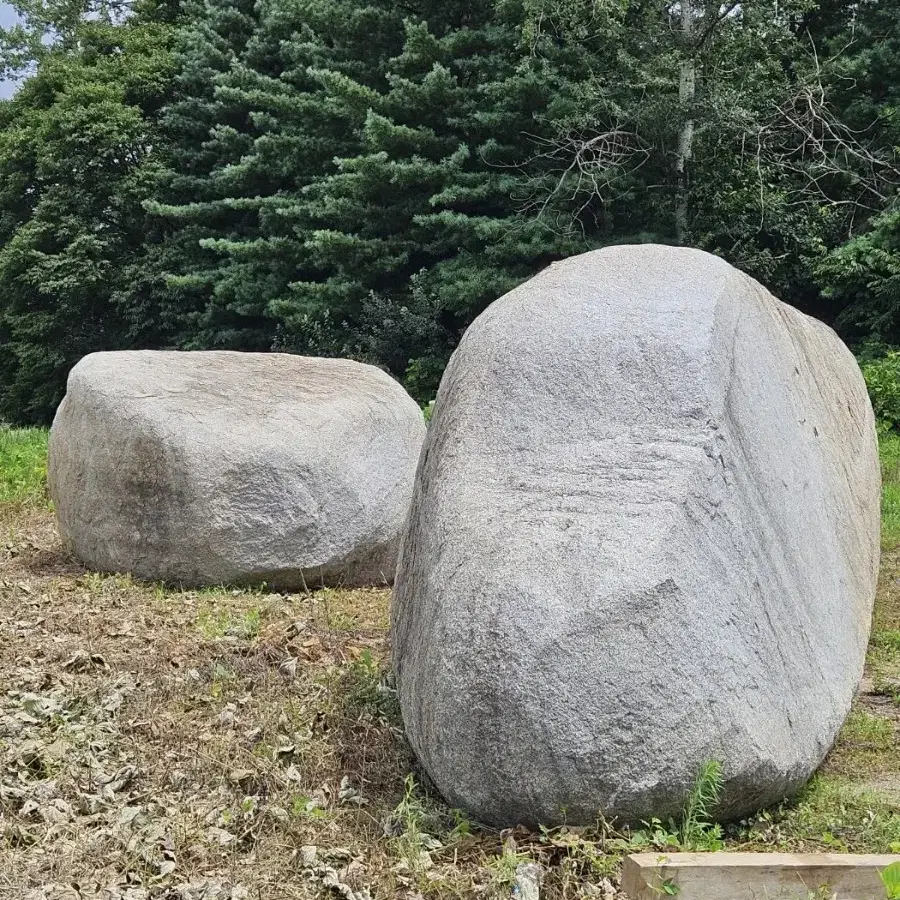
(686, 91)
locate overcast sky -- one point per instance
(7, 18)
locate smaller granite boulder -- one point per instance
(218, 467)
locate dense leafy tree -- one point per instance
(75, 145)
(862, 277)
(740, 124)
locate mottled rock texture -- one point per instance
(217, 467)
(644, 535)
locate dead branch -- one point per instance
(584, 168)
(806, 140)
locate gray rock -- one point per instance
(208, 468)
(644, 535)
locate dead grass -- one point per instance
(153, 738)
(225, 743)
(243, 744)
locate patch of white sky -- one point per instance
(7, 18)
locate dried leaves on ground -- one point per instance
(238, 745)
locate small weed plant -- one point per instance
(368, 689)
(867, 730)
(412, 843)
(697, 832)
(502, 870)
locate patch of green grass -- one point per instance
(890, 515)
(868, 731)
(828, 814)
(216, 622)
(217, 592)
(885, 671)
(889, 451)
(23, 465)
(883, 660)
(889, 639)
(865, 751)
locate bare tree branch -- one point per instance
(805, 139)
(582, 169)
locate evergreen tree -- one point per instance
(253, 127)
(390, 218)
(362, 177)
(430, 228)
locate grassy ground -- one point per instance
(239, 744)
(890, 501)
(23, 464)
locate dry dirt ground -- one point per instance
(237, 744)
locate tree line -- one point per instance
(363, 177)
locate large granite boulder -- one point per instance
(644, 535)
(219, 467)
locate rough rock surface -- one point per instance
(644, 535)
(218, 467)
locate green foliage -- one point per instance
(350, 190)
(23, 465)
(889, 451)
(697, 832)
(367, 690)
(77, 148)
(843, 816)
(362, 178)
(889, 639)
(216, 622)
(868, 730)
(883, 381)
(890, 877)
(863, 276)
(503, 869)
(882, 374)
(411, 841)
(303, 807)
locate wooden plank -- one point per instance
(754, 876)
